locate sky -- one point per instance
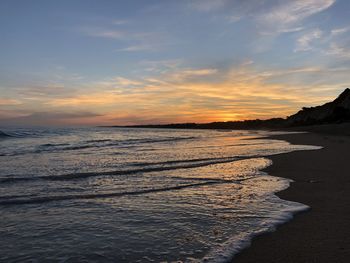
(107, 62)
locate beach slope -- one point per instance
(322, 181)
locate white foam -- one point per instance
(235, 244)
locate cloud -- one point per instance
(160, 65)
(119, 22)
(270, 17)
(125, 93)
(233, 18)
(339, 31)
(286, 15)
(197, 72)
(44, 91)
(294, 11)
(332, 43)
(137, 48)
(63, 115)
(133, 41)
(189, 95)
(207, 5)
(92, 99)
(188, 72)
(9, 102)
(241, 92)
(10, 114)
(305, 41)
(339, 51)
(124, 82)
(102, 33)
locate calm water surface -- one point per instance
(136, 195)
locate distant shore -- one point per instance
(322, 181)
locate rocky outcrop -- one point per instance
(331, 112)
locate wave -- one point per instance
(15, 196)
(121, 144)
(4, 135)
(53, 145)
(19, 200)
(91, 144)
(166, 139)
(21, 133)
(46, 199)
(75, 176)
(101, 140)
(226, 251)
(27, 133)
(183, 161)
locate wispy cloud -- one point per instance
(239, 93)
(288, 12)
(44, 91)
(196, 72)
(102, 32)
(207, 5)
(233, 18)
(271, 17)
(132, 40)
(160, 65)
(339, 31)
(304, 43)
(139, 47)
(342, 52)
(9, 102)
(188, 94)
(333, 43)
(286, 16)
(119, 22)
(124, 82)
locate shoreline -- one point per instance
(321, 181)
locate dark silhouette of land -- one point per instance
(337, 111)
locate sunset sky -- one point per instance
(134, 62)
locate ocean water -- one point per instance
(137, 195)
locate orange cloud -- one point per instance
(9, 102)
(195, 95)
(184, 95)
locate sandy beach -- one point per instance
(322, 181)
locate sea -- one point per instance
(137, 195)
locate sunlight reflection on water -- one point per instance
(137, 195)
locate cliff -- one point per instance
(331, 112)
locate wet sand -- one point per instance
(322, 181)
